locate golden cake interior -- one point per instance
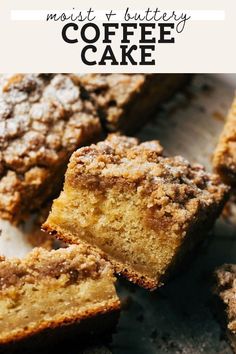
(47, 289)
(224, 159)
(135, 205)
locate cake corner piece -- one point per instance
(143, 211)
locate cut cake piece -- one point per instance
(43, 119)
(51, 291)
(143, 210)
(126, 101)
(224, 160)
(225, 290)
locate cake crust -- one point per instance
(43, 119)
(118, 186)
(126, 271)
(110, 309)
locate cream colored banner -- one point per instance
(122, 36)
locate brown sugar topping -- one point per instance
(43, 119)
(169, 178)
(38, 120)
(77, 262)
(112, 92)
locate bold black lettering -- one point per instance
(108, 32)
(126, 54)
(127, 33)
(145, 54)
(145, 33)
(108, 55)
(64, 32)
(164, 33)
(83, 55)
(83, 33)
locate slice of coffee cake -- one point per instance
(224, 160)
(49, 290)
(126, 101)
(225, 290)
(43, 119)
(143, 210)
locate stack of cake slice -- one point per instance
(44, 118)
(125, 207)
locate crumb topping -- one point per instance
(76, 262)
(112, 92)
(161, 179)
(43, 119)
(40, 117)
(226, 281)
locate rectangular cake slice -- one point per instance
(52, 290)
(126, 101)
(225, 290)
(43, 119)
(224, 160)
(143, 210)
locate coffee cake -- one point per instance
(126, 101)
(224, 160)
(43, 119)
(225, 290)
(52, 290)
(144, 211)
